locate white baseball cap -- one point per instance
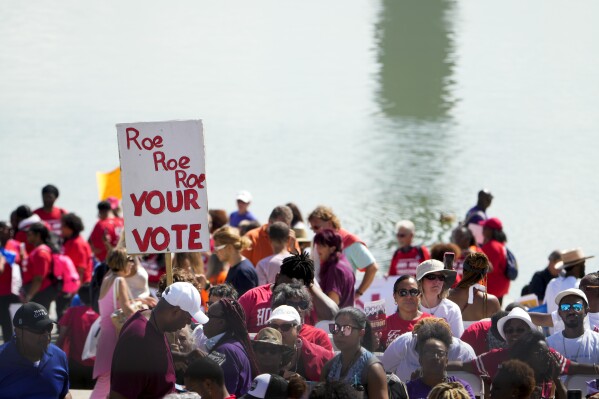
(186, 296)
(285, 313)
(571, 291)
(244, 196)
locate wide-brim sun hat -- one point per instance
(273, 338)
(571, 291)
(573, 257)
(516, 313)
(435, 266)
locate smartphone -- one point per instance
(448, 258)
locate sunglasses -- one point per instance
(412, 292)
(433, 277)
(282, 327)
(264, 349)
(303, 305)
(336, 329)
(510, 331)
(220, 247)
(47, 330)
(402, 235)
(564, 307)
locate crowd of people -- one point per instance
(268, 312)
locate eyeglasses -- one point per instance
(435, 354)
(220, 247)
(282, 327)
(564, 307)
(510, 331)
(303, 305)
(433, 277)
(335, 329)
(412, 292)
(401, 235)
(264, 349)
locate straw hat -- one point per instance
(572, 257)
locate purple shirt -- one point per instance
(235, 218)
(233, 359)
(417, 389)
(142, 365)
(340, 279)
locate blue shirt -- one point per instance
(235, 218)
(20, 378)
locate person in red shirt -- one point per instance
(74, 325)
(298, 297)
(37, 286)
(494, 248)
(75, 246)
(49, 213)
(106, 232)
(407, 297)
(407, 257)
(257, 302)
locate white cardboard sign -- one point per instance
(163, 177)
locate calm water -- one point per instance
(384, 109)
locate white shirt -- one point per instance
(401, 357)
(449, 311)
(584, 349)
(268, 268)
(555, 286)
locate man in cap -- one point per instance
(244, 198)
(308, 358)
(539, 281)
(575, 342)
(269, 386)
(571, 271)
(30, 366)
(142, 364)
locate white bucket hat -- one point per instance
(435, 266)
(516, 313)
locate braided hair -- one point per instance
(236, 327)
(476, 267)
(299, 266)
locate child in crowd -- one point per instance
(73, 329)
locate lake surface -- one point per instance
(384, 110)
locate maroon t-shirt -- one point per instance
(142, 364)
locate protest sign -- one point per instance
(163, 175)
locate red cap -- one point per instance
(493, 223)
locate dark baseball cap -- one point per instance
(33, 316)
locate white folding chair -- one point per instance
(478, 387)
